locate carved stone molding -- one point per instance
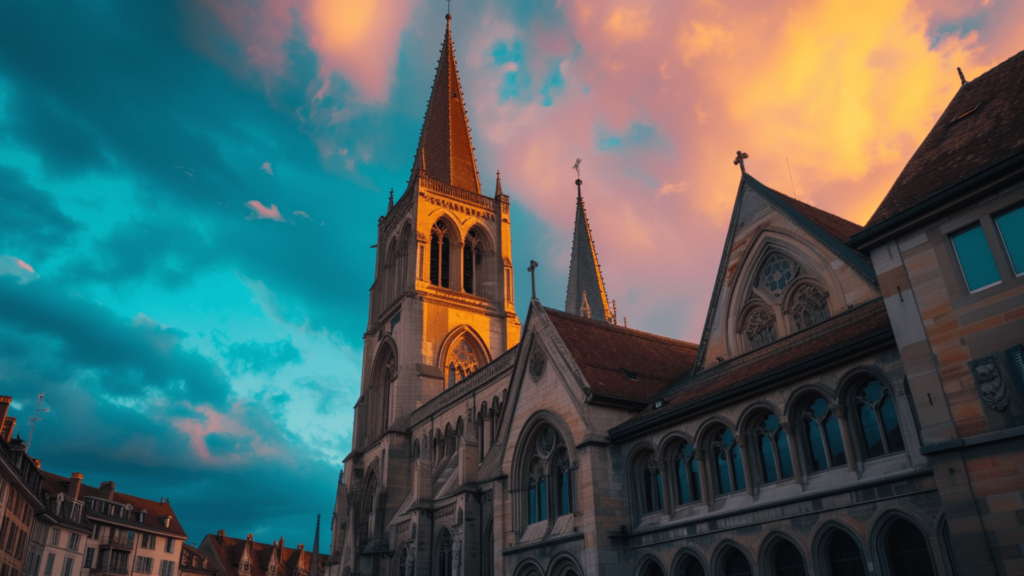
(991, 384)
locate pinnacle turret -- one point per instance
(585, 295)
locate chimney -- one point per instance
(300, 548)
(75, 485)
(38, 462)
(107, 490)
(220, 536)
(8, 428)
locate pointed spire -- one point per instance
(585, 280)
(445, 144)
(497, 186)
(314, 562)
(391, 200)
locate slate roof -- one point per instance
(188, 553)
(584, 270)
(981, 126)
(605, 351)
(155, 511)
(445, 150)
(868, 321)
(229, 550)
(837, 227)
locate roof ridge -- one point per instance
(616, 327)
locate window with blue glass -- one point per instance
(1011, 228)
(876, 418)
(824, 440)
(976, 261)
(687, 474)
(773, 445)
(550, 479)
(728, 463)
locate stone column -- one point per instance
(748, 474)
(794, 451)
(705, 476)
(844, 430)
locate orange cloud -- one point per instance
(261, 212)
(14, 266)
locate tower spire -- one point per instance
(585, 293)
(314, 562)
(445, 148)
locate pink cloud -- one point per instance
(266, 168)
(261, 212)
(209, 421)
(14, 266)
(301, 214)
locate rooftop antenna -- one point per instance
(958, 71)
(791, 177)
(533, 281)
(449, 14)
(35, 418)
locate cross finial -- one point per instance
(740, 157)
(449, 9)
(576, 167)
(579, 183)
(533, 281)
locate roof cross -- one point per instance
(740, 157)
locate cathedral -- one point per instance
(854, 406)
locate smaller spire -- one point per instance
(497, 186)
(391, 200)
(961, 73)
(314, 562)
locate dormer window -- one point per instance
(142, 516)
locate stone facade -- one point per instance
(851, 408)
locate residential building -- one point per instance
(57, 544)
(238, 557)
(195, 563)
(21, 496)
(855, 403)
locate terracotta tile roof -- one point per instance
(155, 511)
(837, 227)
(228, 552)
(203, 564)
(445, 150)
(983, 125)
(851, 326)
(605, 351)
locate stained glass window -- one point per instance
(760, 328)
(809, 307)
(778, 272)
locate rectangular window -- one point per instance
(169, 545)
(89, 553)
(1011, 228)
(143, 565)
(975, 258)
(49, 564)
(149, 541)
(55, 537)
(69, 565)
(166, 568)
(73, 542)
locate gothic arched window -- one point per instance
(440, 255)
(472, 264)
(809, 306)
(878, 426)
(690, 566)
(777, 274)
(728, 463)
(844, 557)
(687, 474)
(651, 496)
(550, 478)
(462, 361)
(760, 328)
(444, 554)
(907, 550)
(773, 450)
(736, 564)
(824, 440)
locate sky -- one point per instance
(189, 192)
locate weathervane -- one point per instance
(579, 182)
(740, 157)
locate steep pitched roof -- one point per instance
(605, 352)
(229, 551)
(981, 127)
(586, 284)
(829, 229)
(202, 563)
(155, 511)
(445, 151)
(864, 325)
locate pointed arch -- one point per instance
(544, 466)
(689, 562)
(478, 262)
(462, 352)
(444, 239)
(837, 548)
(382, 375)
(783, 554)
(650, 565)
(732, 559)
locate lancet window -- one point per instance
(687, 474)
(383, 374)
(824, 440)
(772, 446)
(440, 255)
(878, 426)
(472, 264)
(810, 306)
(650, 485)
(728, 462)
(445, 555)
(550, 478)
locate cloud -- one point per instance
(261, 212)
(265, 358)
(266, 168)
(30, 219)
(13, 266)
(301, 214)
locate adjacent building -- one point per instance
(57, 545)
(21, 496)
(246, 557)
(195, 563)
(853, 406)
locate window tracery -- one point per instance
(728, 462)
(810, 306)
(687, 474)
(652, 496)
(760, 328)
(773, 447)
(778, 272)
(878, 425)
(824, 440)
(550, 478)
(445, 555)
(462, 361)
(472, 264)
(440, 255)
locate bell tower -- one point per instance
(441, 305)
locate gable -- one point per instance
(784, 267)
